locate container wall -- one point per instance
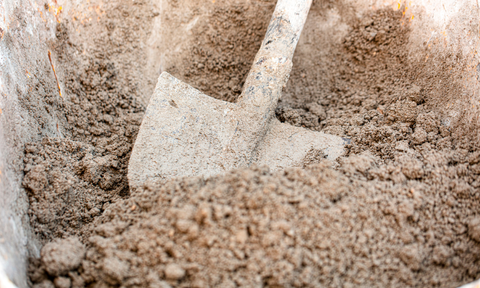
(27, 113)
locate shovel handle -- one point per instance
(271, 69)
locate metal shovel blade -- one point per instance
(184, 132)
(187, 133)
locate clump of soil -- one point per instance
(399, 210)
(68, 183)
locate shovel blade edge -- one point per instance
(286, 146)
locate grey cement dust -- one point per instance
(400, 210)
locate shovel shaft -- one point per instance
(273, 63)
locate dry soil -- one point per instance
(399, 210)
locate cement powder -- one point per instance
(400, 210)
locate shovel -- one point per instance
(187, 133)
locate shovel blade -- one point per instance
(187, 133)
(287, 146)
(184, 133)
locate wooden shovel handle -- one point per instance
(271, 69)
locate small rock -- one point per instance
(474, 229)
(115, 269)
(402, 146)
(174, 272)
(441, 254)
(62, 255)
(193, 231)
(241, 236)
(77, 280)
(406, 237)
(184, 225)
(203, 212)
(420, 136)
(44, 284)
(415, 94)
(36, 179)
(411, 167)
(62, 282)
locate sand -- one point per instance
(399, 210)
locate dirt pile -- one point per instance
(300, 228)
(400, 210)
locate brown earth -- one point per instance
(399, 210)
